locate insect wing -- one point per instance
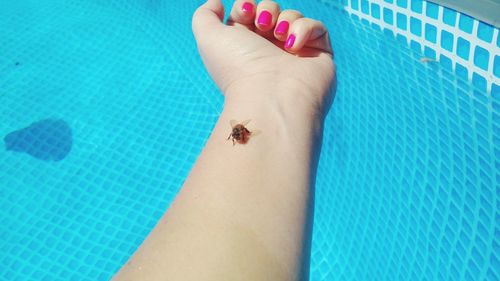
(244, 123)
(255, 133)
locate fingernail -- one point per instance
(290, 41)
(282, 27)
(247, 7)
(265, 18)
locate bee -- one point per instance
(239, 133)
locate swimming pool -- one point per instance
(407, 184)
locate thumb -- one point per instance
(209, 14)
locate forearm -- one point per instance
(244, 211)
(280, 154)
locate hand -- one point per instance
(256, 47)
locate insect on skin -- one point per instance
(239, 133)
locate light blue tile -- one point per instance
(388, 16)
(447, 40)
(355, 4)
(465, 23)
(432, 10)
(388, 32)
(414, 45)
(496, 66)
(461, 71)
(481, 58)
(389, 1)
(402, 3)
(365, 7)
(445, 62)
(479, 81)
(430, 53)
(416, 6)
(401, 38)
(495, 90)
(449, 16)
(401, 21)
(430, 33)
(485, 32)
(375, 11)
(415, 26)
(463, 48)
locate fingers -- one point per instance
(267, 15)
(242, 13)
(287, 26)
(261, 18)
(305, 32)
(285, 19)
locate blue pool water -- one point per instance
(407, 184)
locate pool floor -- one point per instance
(407, 184)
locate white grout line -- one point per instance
(493, 54)
(421, 17)
(439, 29)
(440, 26)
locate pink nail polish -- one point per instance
(290, 41)
(265, 18)
(247, 7)
(282, 27)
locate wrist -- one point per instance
(288, 96)
(283, 114)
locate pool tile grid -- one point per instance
(367, 228)
(426, 216)
(103, 119)
(442, 34)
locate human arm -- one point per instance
(244, 212)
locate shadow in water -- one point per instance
(48, 140)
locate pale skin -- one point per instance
(245, 211)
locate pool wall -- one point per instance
(467, 46)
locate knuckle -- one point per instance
(302, 21)
(268, 4)
(317, 22)
(308, 22)
(293, 13)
